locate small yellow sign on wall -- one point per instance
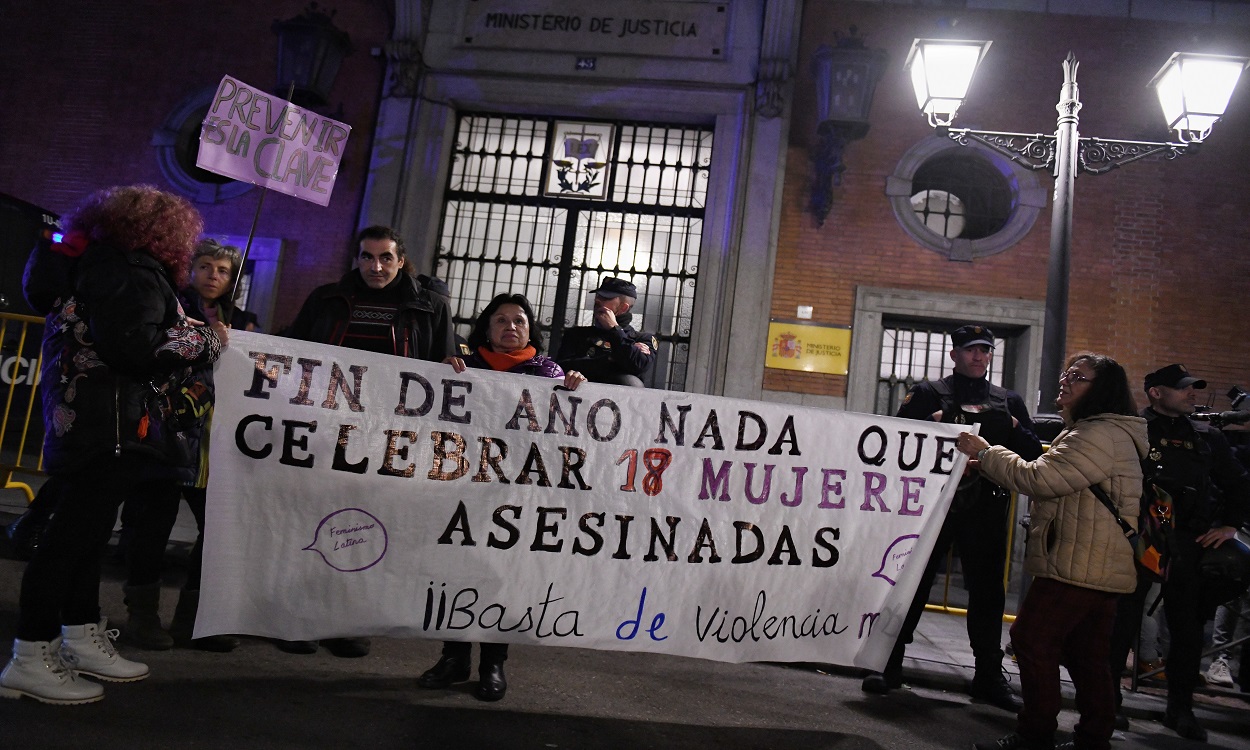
(808, 347)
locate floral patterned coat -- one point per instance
(116, 349)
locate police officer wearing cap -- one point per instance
(977, 523)
(1210, 494)
(610, 351)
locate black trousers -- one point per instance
(1186, 611)
(61, 585)
(148, 518)
(492, 653)
(979, 531)
(197, 500)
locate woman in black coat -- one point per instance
(116, 346)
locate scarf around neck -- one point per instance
(503, 361)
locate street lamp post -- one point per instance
(1193, 90)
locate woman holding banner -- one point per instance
(148, 520)
(505, 339)
(1075, 550)
(115, 350)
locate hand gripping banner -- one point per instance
(356, 494)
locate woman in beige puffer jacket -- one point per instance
(1075, 551)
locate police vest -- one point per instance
(1181, 465)
(992, 414)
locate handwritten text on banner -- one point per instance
(358, 494)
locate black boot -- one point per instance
(183, 626)
(348, 648)
(491, 684)
(1182, 721)
(989, 685)
(448, 669)
(143, 628)
(880, 683)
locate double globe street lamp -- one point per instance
(1193, 89)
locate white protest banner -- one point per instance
(254, 136)
(354, 493)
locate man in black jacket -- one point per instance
(610, 351)
(379, 307)
(977, 522)
(1210, 493)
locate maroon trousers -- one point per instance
(1064, 624)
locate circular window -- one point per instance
(963, 201)
(177, 144)
(941, 212)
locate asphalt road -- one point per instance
(259, 697)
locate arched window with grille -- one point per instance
(548, 207)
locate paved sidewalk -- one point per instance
(939, 658)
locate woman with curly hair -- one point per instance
(115, 348)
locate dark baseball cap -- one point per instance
(610, 287)
(1173, 376)
(972, 336)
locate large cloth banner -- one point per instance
(359, 494)
(253, 136)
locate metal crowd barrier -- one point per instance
(945, 605)
(21, 425)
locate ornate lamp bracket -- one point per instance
(1036, 151)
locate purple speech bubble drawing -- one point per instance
(895, 558)
(350, 540)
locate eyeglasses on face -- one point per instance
(1073, 376)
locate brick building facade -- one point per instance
(87, 88)
(1161, 249)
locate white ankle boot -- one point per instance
(88, 649)
(38, 672)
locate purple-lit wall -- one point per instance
(84, 84)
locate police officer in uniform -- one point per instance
(977, 523)
(610, 351)
(1210, 492)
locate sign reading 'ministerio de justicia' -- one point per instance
(656, 28)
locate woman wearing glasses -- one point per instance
(1075, 551)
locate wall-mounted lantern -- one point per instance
(846, 78)
(310, 50)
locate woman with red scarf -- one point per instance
(504, 339)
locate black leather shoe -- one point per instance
(347, 648)
(492, 684)
(449, 669)
(994, 690)
(879, 684)
(1184, 724)
(296, 647)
